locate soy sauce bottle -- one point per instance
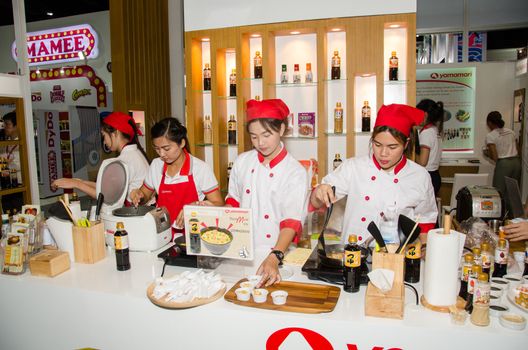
(196, 244)
(121, 247)
(476, 270)
(231, 130)
(232, 83)
(393, 66)
(337, 161)
(336, 66)
(413, 256)
(486, 256)
(207, 77)
(365, 117)
(466, 270)
(352, 266)
(257, 65)
(501, 259)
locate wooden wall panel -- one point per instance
(140, 59)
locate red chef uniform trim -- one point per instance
(294, 225)
(232, 202)
(399, 117)
(425, 227)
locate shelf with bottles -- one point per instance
(395, 51)
(8, 191)
(9, 143)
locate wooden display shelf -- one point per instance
(9, 191)
(9, 143)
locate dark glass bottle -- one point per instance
(472, 281)
(121, 247)
(501, 259)
(337, 161)
(231, 130)
(393, 66)
(207, 77)
(257, 65)
(5, 176)
(365, 117)
(466, 270)
(196, 244)
(336, 66)
(232, 83)
(413, 256)
(486, 257)
(352, 266)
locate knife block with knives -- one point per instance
(89, 243)
(390, 304)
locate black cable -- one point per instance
(163, 269)
(415, 292)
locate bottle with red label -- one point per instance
(472, 281)
(393, 66)
(296, 74)
(501, 259)
(487, 257)
(466, 270)
(336, 66)
(413, 256)
(121, 247)
(352, 266)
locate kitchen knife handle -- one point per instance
(98, 206)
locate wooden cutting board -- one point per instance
(305, 298)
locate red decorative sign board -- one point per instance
(60, 45)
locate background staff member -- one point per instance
(431, 140)
(119, 133)
(12, 155)
(502, 148)
(272, 183)
(385, 179)
(176, 176)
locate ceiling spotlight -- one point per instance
(295, 32)
(49, 14)
(394, 26)
(206, 39)
(335, 29)
(255, 35)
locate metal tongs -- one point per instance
(321, 241)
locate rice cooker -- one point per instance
(148, 228)
(484, 202)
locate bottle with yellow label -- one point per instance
(413, 254)
(196, 244)
(352, 266)
(466, 270)
(338, 118)
(121, 247)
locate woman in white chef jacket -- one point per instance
(119, 133)
(383, 181)
(272, 183)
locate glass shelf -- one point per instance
(258, 79)
(335, 80)
(289, 85)
(227, 97)
(205, 92)
(330, 133)
(363, 133)
(395, 82)
(228, 145)
(203, 144)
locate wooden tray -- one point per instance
(176, 305)
(305, 298)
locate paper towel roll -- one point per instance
(441, 267)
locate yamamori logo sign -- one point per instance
(435, 75)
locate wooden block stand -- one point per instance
(390, 304)
(49, 263)
(89, 243)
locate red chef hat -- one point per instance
(273, 109)
(399, 117)
(120, 121)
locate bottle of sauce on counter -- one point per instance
(486, 256)
(196, 244)
(257, 65)
(365, 117)
(121, 247)
(231, 130)
(338, 118)
(232, 83)
(481, 298)
(413, 254)
(501, 259)
(393, 66)
(308, 77)
(352, 266)
(466, 270)
(336, 66)
(296, 74)
(477, 256)
(207, 77)
(337, 161)
(472, 281)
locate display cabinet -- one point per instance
(299, 65)
(18, 184)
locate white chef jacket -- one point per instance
(504, 141)
(137, 166)
(276, 193)
(371, 190)
(430, 138)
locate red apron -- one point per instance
(175, 196)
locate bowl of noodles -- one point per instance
(217, 240)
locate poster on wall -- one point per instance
(455, 87)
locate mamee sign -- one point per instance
(60, 45)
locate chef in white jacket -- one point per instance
(384, 181)
(272, 183)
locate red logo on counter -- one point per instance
(64, 44)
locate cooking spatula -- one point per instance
(375, 232)
(321, 242)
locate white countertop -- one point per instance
(100, 307)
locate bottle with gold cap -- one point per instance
(477, 255)
(338, 118)
(472, 281)
(393, 66)
(337, 161)
(336, 66)
(207, 77)
(365, 117)
(466, 269)
(232, 130)
(352, 265)
(121, 247)
(481, 299)
(501, 259)
(257, 65)
(232, 83)
(487, 257)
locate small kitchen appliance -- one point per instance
(484, 202)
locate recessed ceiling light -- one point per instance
(49, 13)
(394, 26)
(335, 29)
(295, 32)
(366, 75)
(255, 35)
(206, 39)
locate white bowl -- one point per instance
(514, 280)
(512, 321)
(279, 297)
(498, 309)
(254, 279)
(499, 282)
(260, 295)
(247, 284)
(496, 290)
(243, 294)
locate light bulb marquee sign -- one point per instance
(58, 45)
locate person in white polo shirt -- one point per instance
(431, 140)
(176, 176)
(502, 148)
